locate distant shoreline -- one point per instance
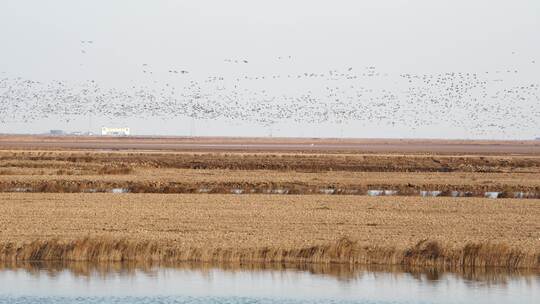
(264, 144)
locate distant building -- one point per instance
(56, 132)
(115, 131)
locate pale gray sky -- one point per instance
(41, 41)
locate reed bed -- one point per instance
(343, 251)
(265, 187)
(450, 232)
(150, 172)
(59, 221)
(303, 162)
(156, 180)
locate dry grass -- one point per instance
(121, 169)
(243, 187)
(149, 172)
(278, 161)
(56, 224)
(264, 228)
(7, 172)
(343, 251)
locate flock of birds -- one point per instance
(482, 102)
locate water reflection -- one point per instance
(307, 282)
(340, 272)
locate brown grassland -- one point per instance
(181, 209)
(306, 173)
(446, 232)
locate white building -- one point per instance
(115, 131)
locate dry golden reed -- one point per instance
(187, 184)
(343, 251)
(351, 174)
(302, 162)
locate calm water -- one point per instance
(81, 283)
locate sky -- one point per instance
(359, 52)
